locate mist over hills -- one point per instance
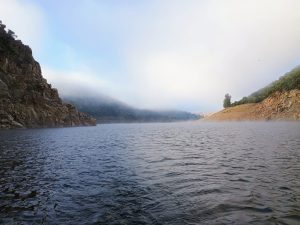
(109, 110)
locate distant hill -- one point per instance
(107, 110)
(278, 101)
(287, 82)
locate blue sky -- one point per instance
(161, 53)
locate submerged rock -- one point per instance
(26, 99)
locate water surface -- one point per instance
(173, 173)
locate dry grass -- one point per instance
(279, 106)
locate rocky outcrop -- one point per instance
(26, 99)
(278, 106)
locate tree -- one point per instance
(2, 25)
(227, 101)
(12, 34)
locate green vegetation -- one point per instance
(289, 81)
(227, 101)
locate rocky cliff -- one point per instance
(278, 106)
(26, 99)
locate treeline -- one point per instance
(108, 110)
(287, 82)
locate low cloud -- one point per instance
(167, 53)
(198, 51)
(80, 82)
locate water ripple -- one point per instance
(178, 173)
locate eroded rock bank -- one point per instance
(26, 99)
(278, 106)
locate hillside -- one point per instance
(107, 110)
(26, 99)
(278, 106)
(287, 82)
(278, 101)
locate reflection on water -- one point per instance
(178, 173)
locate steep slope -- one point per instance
(110, 110)
(26, 99)
(289, 81)
(278, 106)
(279, 100)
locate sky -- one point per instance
(159, 54)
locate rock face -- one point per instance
(278, 106)
(26, 99)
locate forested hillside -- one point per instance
(107, 110)
(289, 81)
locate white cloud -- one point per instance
(199, 50)
(79, 82)
(172, 52)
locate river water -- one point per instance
(160, 173)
